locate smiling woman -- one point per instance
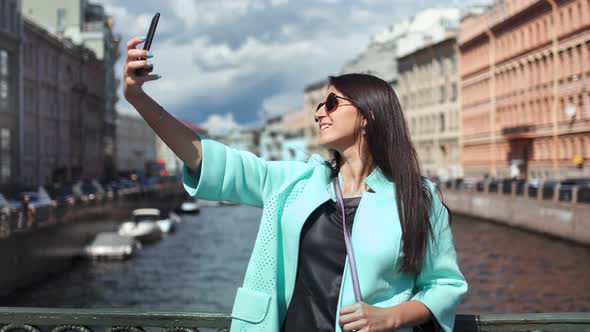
(394, 268)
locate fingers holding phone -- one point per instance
(137, 60)
(141, 65)
(148, 42)
(137, 64)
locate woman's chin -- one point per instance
(328, 143)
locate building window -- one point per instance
(442, 122)
(61, 20)
(12, 18)
(4, 77)
(3, 62)
(5, 155)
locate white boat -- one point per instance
(167, 223)
(190, 206)
(228, 203)
(149, 225)
(109, 245)
(144, 231)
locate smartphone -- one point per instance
(148, 42)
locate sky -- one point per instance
(236, 62)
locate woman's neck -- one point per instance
(354, 168)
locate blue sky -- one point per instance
(248, 59)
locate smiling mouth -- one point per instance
(325, 126)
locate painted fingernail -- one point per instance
(149, 64)
(158, 76)
(143, 38)
(149, 55)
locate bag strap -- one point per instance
(349, 252)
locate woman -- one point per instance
(298, 277)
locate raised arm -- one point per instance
(213, 171)
(182, 140)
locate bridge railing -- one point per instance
(550, 191)
(94, 320)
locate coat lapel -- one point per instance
(313, 195)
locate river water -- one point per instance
(199, 268)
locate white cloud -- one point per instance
(186, 10)
(211, 52)
(281, 103)
(204, 70)
(221, 124)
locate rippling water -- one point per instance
(200, 266)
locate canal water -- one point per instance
(200, 266)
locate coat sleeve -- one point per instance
(228, 174)
(440, 285)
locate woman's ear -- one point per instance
(364, 122)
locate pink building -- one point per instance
(525, 89)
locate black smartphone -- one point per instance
(148, 42)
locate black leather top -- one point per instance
(322, 254)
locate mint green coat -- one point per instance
(288, 192)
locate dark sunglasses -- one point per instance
(331, 103)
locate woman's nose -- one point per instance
(317, 116)
(320, 113)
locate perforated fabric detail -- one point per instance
(294, 194)
(261, 263)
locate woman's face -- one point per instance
(337, 125)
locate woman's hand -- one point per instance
(363, 317)
(131, 82)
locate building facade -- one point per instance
(271, 139)
(63, 89)
(313, 95)
(137, 142)
(427, 90)
(294, 143)
(246, 139)
(379, 58)
(11, 28)
(83, 23)
(525, 98)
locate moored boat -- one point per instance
(110, 245)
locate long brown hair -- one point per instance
(392, 151)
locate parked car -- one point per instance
(549, 189)
(89, 191)
(62, 194)
(567, 185)
(534, 184)
(507, 186)
(469, 184)
(480, 185)
(36, 199)
(39, 211)
(7, 215)
(493, 186)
